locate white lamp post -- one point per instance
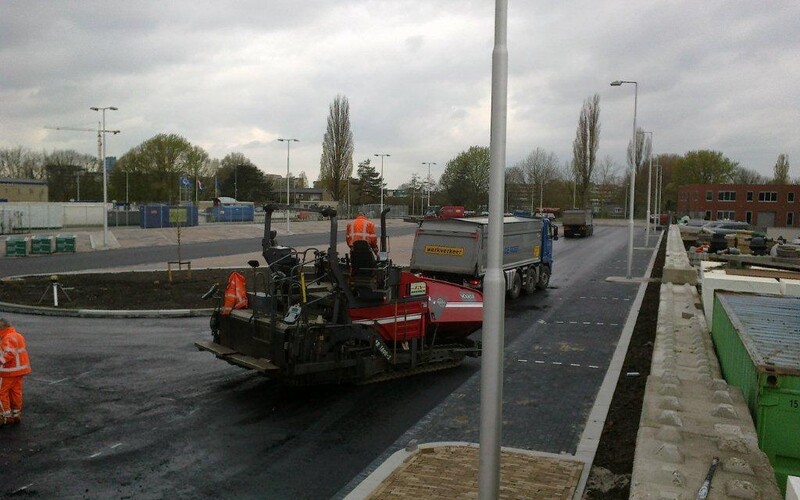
(429, 163)
(105, 173)
(617, 83)
(288, 145)
(382, 155)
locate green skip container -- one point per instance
(16, 246)
(41, 244)
(65, 243)
(757, 338)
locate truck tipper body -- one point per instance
(577, 222)
(455, 250)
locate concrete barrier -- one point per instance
(677, 268)
(691, 415)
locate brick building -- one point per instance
(762, 205)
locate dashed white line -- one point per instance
(557, 362)
(95, 455)
(559, 322)
(593, 366)
(600, 324)
(522, 360)
(587, 322)
(538, 362)
(574, 364)
(115, 445)
(59, 381)
(573, 322)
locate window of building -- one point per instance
(696, 196)
(708, 215)
(709, 196)
(789, 218)
(726, 196)
(725, 215)
(769, 196)
(748, 217)
(749, 196)
(790, 197)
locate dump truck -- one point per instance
(577, 222)
(455, 250)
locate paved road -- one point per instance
(59, 263)
(127, 408)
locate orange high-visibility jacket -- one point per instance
(15, 362)
(361, 229)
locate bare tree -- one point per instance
(781, 170)
(584, 147)
(336, 163)
(642, 150)
(744, 175)
(539, 167)
(21, 163)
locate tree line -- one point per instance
(168, 168)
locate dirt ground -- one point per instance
(613, 464)
(127, 291)
(610, 478)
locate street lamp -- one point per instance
(105, 173)
(429, 163)
(617, 83)
(382, 155)
(649, 187)
(288, 146)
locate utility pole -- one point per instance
(99, 130)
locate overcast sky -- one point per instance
(236, 76)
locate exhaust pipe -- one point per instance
(383, 229)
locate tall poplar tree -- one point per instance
(336, 163)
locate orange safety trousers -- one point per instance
(11, 397)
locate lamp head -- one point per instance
(113, 108)
(616, 83)
(93, 108)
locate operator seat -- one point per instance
(365, 278)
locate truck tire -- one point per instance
(531, 280)
(544, 278)
(516, 286)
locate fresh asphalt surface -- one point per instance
(127, 408)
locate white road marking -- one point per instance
(557, 362)
(59, 381)
(522, 360)
(115, 445)
(95, 455)
(559, 322)
(574, 364)
(593, 366)
(538, 362)
(573, 322)
(587, 322)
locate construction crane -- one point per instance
(99, 132)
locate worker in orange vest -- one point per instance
(362, 229)
(14, 364)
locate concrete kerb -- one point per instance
(590, 439)
(101, 313)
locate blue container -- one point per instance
(233, 213)
(167, 216)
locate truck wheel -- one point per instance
(532, 279)
(516, 286)
(544, 278)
